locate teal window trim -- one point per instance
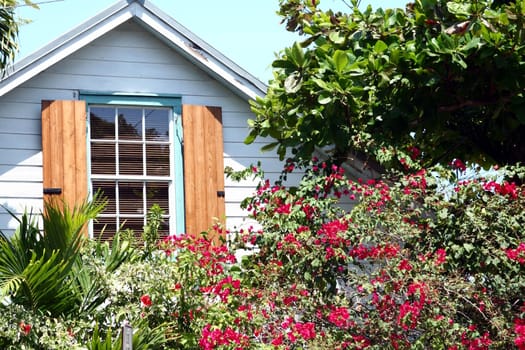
(152, 100)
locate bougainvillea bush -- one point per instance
(415, 264)
(428, 260)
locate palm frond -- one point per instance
(121, 251)
(8, 34)
(37, 268)
(88, 289)
(64, 226)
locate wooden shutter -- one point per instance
(64, 151)
(203, 167)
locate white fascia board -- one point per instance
(183, 44)
(56, 54)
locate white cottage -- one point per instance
(131, 103)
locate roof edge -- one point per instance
(170, 21)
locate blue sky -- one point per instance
(247, 31)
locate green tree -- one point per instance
(431, 82)
(9, 30)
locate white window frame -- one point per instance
(176, 181)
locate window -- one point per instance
(128, 158)
(135, 160)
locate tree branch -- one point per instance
(472, 103)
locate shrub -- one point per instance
(411, 266)
(421, 261)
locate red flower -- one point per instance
(145, 300)
(415, 152)
(404, 265)
(457, 164)
(519, 329)
(305, 330)
(517, 254)
(441, 256)
(339, 316)
(278, 341)
(25, 328)
(284, 209)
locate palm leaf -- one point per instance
(88, 290)
(64, 226)
(8, 33)
(36, 268)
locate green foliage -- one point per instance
(150, 234)
(61, 290)
(422, 261)
(443, 76)
(143, 339)
(90, 285)
(9, 31)
(35, 267)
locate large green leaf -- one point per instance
(341, 60)
(460, 9)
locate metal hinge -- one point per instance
(52, 190)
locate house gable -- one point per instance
(156, 22)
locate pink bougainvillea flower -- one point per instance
(339, 316)
(441, 256)
(517, 254)
(404, 265)
(519, 329)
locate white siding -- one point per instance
(128, 59)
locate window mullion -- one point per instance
(144, 202)
(117, 172)
(117, 148)
(117, 205)
(144, 142)
(172, 194)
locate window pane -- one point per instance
(103, 158)
(164, 228)
(130, 124)
(131, 198)
(104, 228)
(108, 191)
(102, 123)
(130, 159)
(158, 160)
(157, 124)
(158, 193)
(135, 224)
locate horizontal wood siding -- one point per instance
(129, 59)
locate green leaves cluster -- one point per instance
(63, 286)
(35, 268)
(9, 30)
(444, 76)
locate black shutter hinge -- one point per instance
(52, 190)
